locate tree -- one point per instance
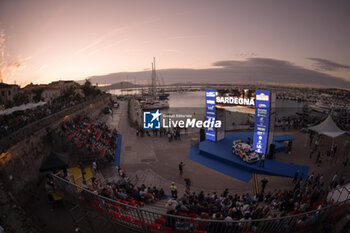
(21, 98)
(87, 89)
(37, 94)
(68, 93)
(90, 90)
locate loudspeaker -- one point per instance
(201, 134)
(271, 151)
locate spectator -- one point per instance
(262, 160)
(94, 168)
(181, 165)
(296, 175)
(263, 184)
(173, 190)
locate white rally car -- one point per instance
(245, 151)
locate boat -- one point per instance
(320, 107)
(154, 104)
(163, 96)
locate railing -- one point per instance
(147, 221)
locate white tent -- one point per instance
(339, 194)
(21, 108)
(328, 128)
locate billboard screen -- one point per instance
(236, 100)
(210, 112)
(262, 118)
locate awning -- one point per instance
(328, 128)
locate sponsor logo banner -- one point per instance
(210, 106)
(262, 117)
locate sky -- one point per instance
(46, 40)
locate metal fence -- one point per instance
(142, 220)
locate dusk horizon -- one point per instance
(179, 116)
(45, 41)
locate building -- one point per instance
(66, 85)
(50, 93)
(7, 92)
(63, 85)
(30, 90)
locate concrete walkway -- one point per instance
(153, 161)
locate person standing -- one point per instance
(318, 157)
(334, 149)
(173, 190)
(94, 167)
(334, 182)
(262, 161)
(296, 176)
(187, 183)
(311, 152)
(263, 184)
(316, 144)
(289, 150)
(311, 137)
(181, 165)
(170, 137)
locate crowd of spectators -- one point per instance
(93, 137)
(307, 195)
(17, 120)
(124, 191)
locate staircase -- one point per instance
(158, 206)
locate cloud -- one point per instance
(41, 68)
(254, 62)
(250, 71)
(327, 65)
(171, 51)
(112, 33)
(107, 47)
(9, 64)
(101, 38)
(245, 55)
(181, 37)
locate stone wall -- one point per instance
(19, 165)
(136, 111)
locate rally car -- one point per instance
(245, 151)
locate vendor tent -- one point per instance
(328, 128)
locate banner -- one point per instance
(262, 118)
(210, 112)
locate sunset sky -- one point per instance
(75, 39)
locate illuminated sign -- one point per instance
(210, 107)
(236, 100)
(262, 118)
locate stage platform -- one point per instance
(219, 156)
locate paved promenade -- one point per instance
(152, 160)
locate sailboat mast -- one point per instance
(154, 78)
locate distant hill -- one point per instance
(255, 71)
(119, 85)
